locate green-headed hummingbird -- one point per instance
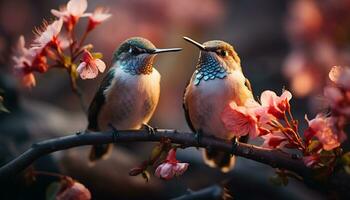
(129, 93)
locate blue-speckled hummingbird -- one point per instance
(217, 80)
(129, 93)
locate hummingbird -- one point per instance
(128, 95)
(217, 81)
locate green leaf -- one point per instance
(73, 72)
(52, 190)
(2, 107)
(156, 152)
(347, 169)
(67, 60)
(313, 145)
(146, 175)
(345, 158)
(97, 55)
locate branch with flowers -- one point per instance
(162, 156)
(314, 152)
(55, 48)
(270, 119)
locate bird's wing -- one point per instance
(99, 100)
(187, 115)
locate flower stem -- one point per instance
(77, 92)
(82, 40)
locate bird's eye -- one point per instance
(222, 53)
(134, 50)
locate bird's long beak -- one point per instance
(199, 45)
(156, 51)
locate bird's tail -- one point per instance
(216, 158)
(223, 160)
(101, 151)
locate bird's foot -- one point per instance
(115, 131)
(149, 129)
(198, 137)
(234, 141)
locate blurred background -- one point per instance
(282, 44)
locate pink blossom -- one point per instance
(47, 36)
(71, 12)
(311, 160)
(97, 17)
(241, 120)
(277, 106)
(333, 94)
(23, 57)
(74, 191)
(340, 76)
(171, 167)
(89, 67)
(323, 129)
(274, 140)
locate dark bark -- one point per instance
(274, 158)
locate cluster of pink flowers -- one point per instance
(267, 119)
(51, 43)
(315, 30)
(271, 119)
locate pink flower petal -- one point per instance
(333, 94)
(180, 168)
(267, 97)
(239, 120)
(165, 171)
(87, 71)
(100, 65)
(335, 73)
(77, 7)
(76, 191)
(325, 132)
(274, 140)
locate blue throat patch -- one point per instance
(209, 69)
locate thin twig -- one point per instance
(76, 90)
(274, 158)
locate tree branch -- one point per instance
(274, 158)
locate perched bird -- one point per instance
(129, 93)
(217, 81)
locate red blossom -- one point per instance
(274, 140)
(171, 167)
(23, 59)
(323, 129)
(276, 105)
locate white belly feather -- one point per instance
(206, 102)
(131, 100)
